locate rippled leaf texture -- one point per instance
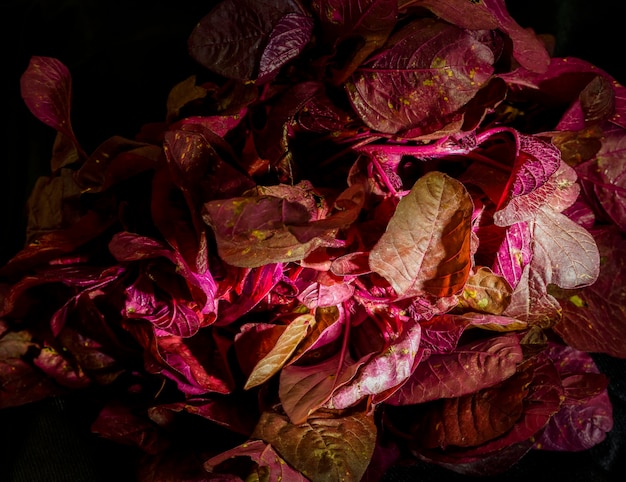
(426, 247)
(354, 28)
(515, 253)
(594, 318)
(564, 254)
(486, 292)
(270, 464)
(328, 447)
(429, 71)
(528, 50)
(467, 369)
(382, 372)
(476, 418)
(529, 185)
(46, 87)
(286, 345)
(289, 36)
(242, 39)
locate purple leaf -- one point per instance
(467, 369)
(435, 62)
(289, 36)
(491, 14)
(586, 414)
(233, 38)
(593, 317)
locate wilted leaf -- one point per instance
(330, 446)
(426, 247)
(286, 345)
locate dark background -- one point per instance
(124, 57)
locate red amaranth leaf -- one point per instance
(426, 247)
(269, 463)
(428, 72)
(233, 37)
(328, 447)
(594, 317)
(282, 351)
(465, 370)
(46, 88)
(366, 23)
(586, 415)
(528, 50)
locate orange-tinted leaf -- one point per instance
(327, 447)
(271, 363)
(486, 292)
(426, 247)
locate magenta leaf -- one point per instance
(439, 64)
(383, 371)
(528, 50)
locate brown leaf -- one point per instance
(286, 345)
(329, 447)
(486, 292)
(426, 247)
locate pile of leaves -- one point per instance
(373, 230)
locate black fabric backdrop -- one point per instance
(124, 57)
